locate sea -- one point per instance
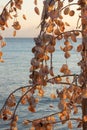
(14, 73)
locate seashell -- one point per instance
(60, 23)
(71, 12)
(2, 22)
(31, 108)
(58, 79)
(73, 37)
(34, 62)
(60, 16)
(35, 2)
(67, 54)
(1, 53)
(50, 8)
(66, 11)
(66, 42)
(3, 44)
(56, 21)
(18, 6)
(46, 57)
(14, 33)
(50, 48)
(24, 17)
(60, 4)
(62, 28)
(2, 28)
(53, 42)
(45, 70)
(16, 25)
(79, 48)
(64, 67)
(57, 32)
(49, 29)
(36, 10)
(59, 37)
(39, 49)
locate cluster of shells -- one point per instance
(53, 28)
(10, 12)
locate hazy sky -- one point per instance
(29, 27)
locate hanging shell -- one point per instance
(67, 54)
(73, 37)
(50, 48)
(71, 12)
(66, 42)
(79, 48)
(66, 11)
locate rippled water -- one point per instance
(14, 72)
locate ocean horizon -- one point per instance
(15, 73)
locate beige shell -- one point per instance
(46, 57)
(64, 67)
(2, 22)
(66, 42)
(35, 2)
(49, 29)
(79, 48)
(16, 25)
(14, 33)
(57, 32)
(67, 54)
(73, 37)
(58, 79)
(71, 12)
(3, 43)
(36, 10)
(66, 11)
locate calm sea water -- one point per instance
(14, 72)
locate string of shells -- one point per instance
(10, 12)
(53, 28)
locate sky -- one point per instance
(29, 26)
